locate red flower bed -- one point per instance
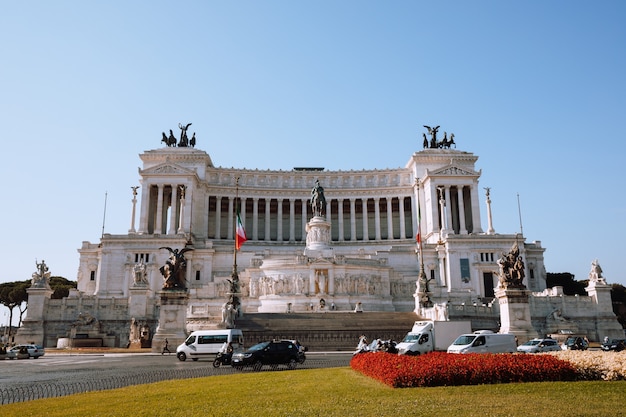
(445, 369)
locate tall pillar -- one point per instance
(340, 218)
(441, 257)
(476, 226)
(231, 213)
(365, 220)
(292, 220)
(159, 211)
(268, 233)
(377, 217)
(279, 221)
(402, 218)
(448, 211)
(132, 216)
(432, 217)
(304, 219)
(389, 218)
(183, 202)
(218, 217)
(459, 193)
(328, 210)
(173, 211)
(414, 203)
(352, 219)
(255, 218)
(490, 229)
(144, 210)
(442, 208)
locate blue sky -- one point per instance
(535, 89)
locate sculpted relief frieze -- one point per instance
(296, 180)
(453, 170)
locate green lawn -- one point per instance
(330, 392)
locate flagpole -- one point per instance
(419, 230)
(236, 216)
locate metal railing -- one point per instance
(49, 389)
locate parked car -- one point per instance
(576, 343)
(274, 353)
(539, 345)
(33, 351)
(616, 344)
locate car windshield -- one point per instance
(532, 343)
(464, 340)
(411, 338)
(259, 346)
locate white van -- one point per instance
(208, 342)
(484, 342)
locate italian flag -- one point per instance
(240, 237)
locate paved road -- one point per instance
(55, 368)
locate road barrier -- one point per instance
(50, 389)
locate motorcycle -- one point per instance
(222, 359)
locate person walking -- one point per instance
(166, 348)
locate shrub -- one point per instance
(446, 369)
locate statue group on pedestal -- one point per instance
(184, 141)
(511, 273)
(434, 143)
(175, 269)
(41, 277)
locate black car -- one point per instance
(274, 353)
(616, 344)
(575, 343)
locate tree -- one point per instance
(13, 294)
(567, 281)
(572, 287)
(618, 296)
(61, 287)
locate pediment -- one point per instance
(453, 170)
(167, 169)
(320, 262)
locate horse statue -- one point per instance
(171, 139)
(165, 140)
(318, 201)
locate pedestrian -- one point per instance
(166, 348)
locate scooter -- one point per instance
(222, 359)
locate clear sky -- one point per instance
(535, 89)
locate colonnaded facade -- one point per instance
(353, 249)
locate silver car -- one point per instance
(539, 345)
(34, 351)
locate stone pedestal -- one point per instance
(317, 236)
(515, 313)
(32, 329)
(138, 302)
(606, 323)
(171, 320)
